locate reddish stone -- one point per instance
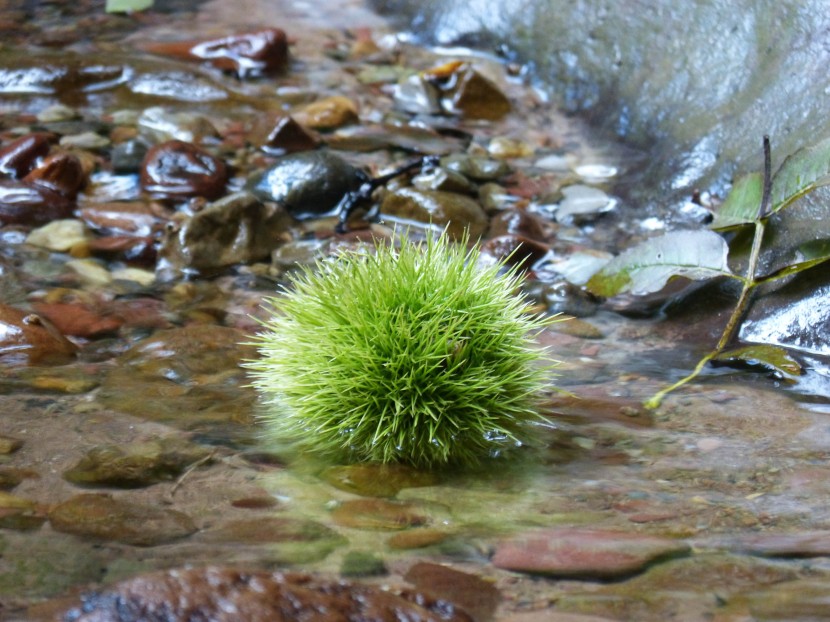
(584, 553)
(61, 173)
(21, 156)
(516, 222)
(288, 136)
(515, 250)
(231, 595)
(262, 51)
(135, 250)
(24, 204)
(477, 596)
(28, 339)
(78, 320)
(180, 170)
(136, 218)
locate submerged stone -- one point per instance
(136, 465)
(20, 156)
(378, 514)
(224, 594)
(477, 596)
(584, 553)
(328, 113)
(104, 518)
(377, 480)
(28, 339)
(179, 170)
(455, 212)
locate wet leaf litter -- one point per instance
(137, 450)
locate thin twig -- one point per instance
(193, 466)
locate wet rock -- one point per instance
(415, 95)
(246, 54)
(11, 477)
(60, 172)
(91, 141)
(288, 136)
(504, 147)
(78, 319)
(514, 250)
(28, 339)
(476, 596)
(567, 298)
(24, 204)
(804, 544)
(19, 514)
(308, 185)
(105, 518)
(133, 250)
(179, 170)
(180, 86)
(22, 155)
(57, 112)
(477, 168)
(378, 514)
(412, 138)
(236, 229)
(377, 480)
(476, 97)
(456, 212)
(59, 235)
(158, 124)
(584, 553)
(362, 564)
(229, 594)
(444, 180)
(582, 202)
(328, 113)
(516, 222)
(136, 465)
(134, 218)
(126, 157)
(90, 273)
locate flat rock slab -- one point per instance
(224, 594)
(584, 553)
(805, 544)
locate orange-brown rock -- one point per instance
(60, 172)
(28, 339)
(20, 156)
(24, 204)
(230, 595)
(179, 170)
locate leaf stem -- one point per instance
(749, 283)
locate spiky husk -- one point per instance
(413, 355)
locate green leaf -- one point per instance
(127, 6)
(647, 267)
(772, 358)
(811, 254)
(803, 171)
(742, 205)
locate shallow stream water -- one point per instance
(142, 451)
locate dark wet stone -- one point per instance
(20, 156)
(476, 596)
(456, 212)
(308, 185)
(28, 339)
(444, 180)
(362, 564)
(246, 54)
(126, 157)
(132, 250)
(288, 136)
(236, 229)
(61, 173)
(135, 218)
(230, 595)
(180, 170)
(517, 222)
(477, 168)
(24, 204)
(328, 113)
(476, 97)
(570, 299)
(136, 465)
(585, 553)
(378, 514)
(376, 480)
(104, 518)
(255, 503)
(515, 250)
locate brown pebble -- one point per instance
(20, 156)
(179, 170)
(59, 172)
